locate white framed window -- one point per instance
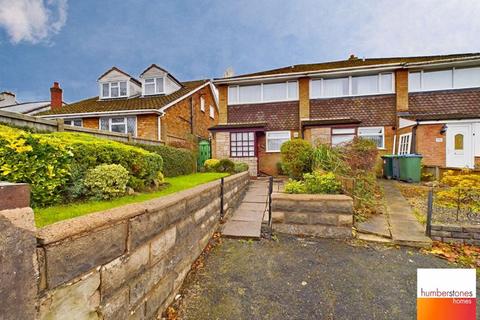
(263, 92)
(153, 86)
(212, 112)
(405, 143)
(73, 122)
(117, 89)
(119, 124)
(453, 78)
(381, 83)
(242, 144)
(202, 104)
(376, 134)
(275, 139)
(342, 135)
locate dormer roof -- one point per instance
(120, 71)
(155, 66)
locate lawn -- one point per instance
(49, 215)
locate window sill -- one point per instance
(260, 102)
(270, 151)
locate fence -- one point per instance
(21, 120)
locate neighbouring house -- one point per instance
(428, 105)
(156, 107)
(8, 102)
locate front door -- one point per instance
(459, 146)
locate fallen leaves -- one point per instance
(172, 314)
(463, 254)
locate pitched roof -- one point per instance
(350, 63)
(121, 71)
(123, 104)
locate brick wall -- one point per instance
(304, 97)
(456, 234)
(147, 126)
(267, 161)
(176, 127)
(329, 216)
(222, 103)
(433, 152)
(128, 262)
(278, 115)
(401, 90)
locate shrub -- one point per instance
(463, 192)
(34, 160)
(328, 158)
(226, 165)
(106, 181)
(360, 154)
(295, 187)
(176, 161)
(211, 165)
(280, 170)
(241, 167)
(296, 157)
(320, 182)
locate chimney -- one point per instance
(353, 57)
(56, 100)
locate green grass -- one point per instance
(49, 215)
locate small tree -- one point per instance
(463, 192)
(296, 157)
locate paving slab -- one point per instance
(376, 225)
(247, 215)
(242, 229)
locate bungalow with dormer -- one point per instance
(426, 105)
(156, 106)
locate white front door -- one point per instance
(460, 146)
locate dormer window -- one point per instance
(114, 89)
(153, 86)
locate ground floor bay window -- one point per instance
(119, 124)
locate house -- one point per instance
(156, 106)
(8, 102)
(428, 105)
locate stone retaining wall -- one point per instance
(128, 262)
(456, 234)
(329, 216)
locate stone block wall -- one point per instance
(328, 216)
(456, 234)
(128, 262)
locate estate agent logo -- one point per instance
(446, 294)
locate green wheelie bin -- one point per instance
(388, 166)
(410, 167)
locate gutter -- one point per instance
(102, 114)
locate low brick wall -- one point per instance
(128, 262)
(328, 216)
(456, 234)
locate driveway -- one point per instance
(295, 278)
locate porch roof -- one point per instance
(251, 126)
(329, 121)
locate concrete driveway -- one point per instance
(295, 278)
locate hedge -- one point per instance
(176, 161)
(55, 164)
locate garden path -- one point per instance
(246, 221)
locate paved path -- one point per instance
(246, 221)
(404, 226)
(295, 278)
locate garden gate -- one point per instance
(204, 151)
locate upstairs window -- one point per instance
(114, 89)
(454, 78)
(264, 92)
(202, 104)
(212, 112)
(153, 86)
(352, 86)
(376, 134)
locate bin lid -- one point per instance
(389, 156)
(411, 156)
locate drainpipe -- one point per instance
(191, 114)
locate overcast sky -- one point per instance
(74, 42)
